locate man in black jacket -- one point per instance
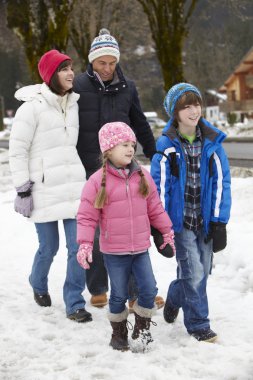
(106, 96)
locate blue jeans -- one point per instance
(119, 269)
(194, 259)
(96, 276)
(74, 285)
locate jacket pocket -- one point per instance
(36, 170)
(42, 172)
(184, 265)
(104, 230)
(184, 269)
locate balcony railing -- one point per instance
(231, 106)
(249, 80)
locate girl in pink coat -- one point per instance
(122, 198)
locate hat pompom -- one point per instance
(104, 31)
(104, 44)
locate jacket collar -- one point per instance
(52, 98)
(118, 78)
(37, 91)
(208, 131)
(133, 167)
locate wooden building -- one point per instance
(239, 89)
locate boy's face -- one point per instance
(189, 116)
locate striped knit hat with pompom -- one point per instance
(104, 44)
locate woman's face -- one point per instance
(65, 78)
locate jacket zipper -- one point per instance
(130, 209)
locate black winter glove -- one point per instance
(217, 232)
(167, 251)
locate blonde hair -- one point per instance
(101, 197)
(144, 186)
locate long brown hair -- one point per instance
(101, 197)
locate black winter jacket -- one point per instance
(99, 105)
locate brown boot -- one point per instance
(142, 324)
(159, 303)
(119, 339)
(99, 300)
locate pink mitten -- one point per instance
(169, 239)
(84, 255)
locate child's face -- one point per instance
(189, 116)
(122, 154)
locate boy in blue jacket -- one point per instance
(192, 175)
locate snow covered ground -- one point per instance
(239, 130)
(42, 344)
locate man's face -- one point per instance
(105, 67)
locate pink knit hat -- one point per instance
(49, 63)
(112, 134)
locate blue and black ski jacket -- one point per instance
(168, 168)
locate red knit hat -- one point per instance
(49, 63)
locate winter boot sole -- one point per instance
(122, 349)
(43, 300)
(211, 340)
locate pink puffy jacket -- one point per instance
(126, 217)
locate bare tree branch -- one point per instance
(87, 19)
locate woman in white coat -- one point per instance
(48, 175)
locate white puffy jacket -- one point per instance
(43, 149)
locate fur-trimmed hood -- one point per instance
(37, 91)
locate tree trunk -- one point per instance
(41, 26)
(168, 23)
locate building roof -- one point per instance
(244, 66)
